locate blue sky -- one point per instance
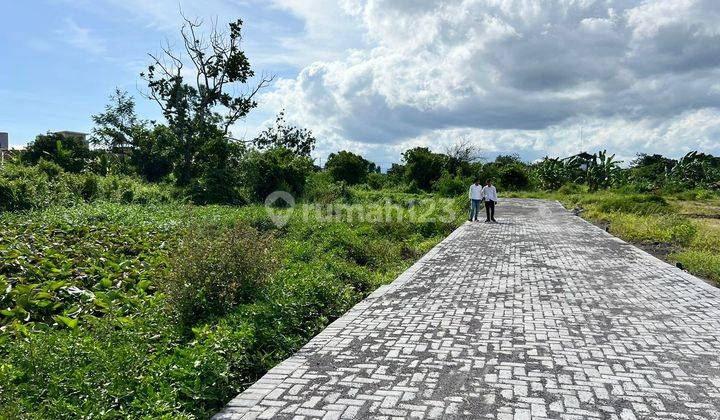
(63, 59)
(380, 76)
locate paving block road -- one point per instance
(539, 316)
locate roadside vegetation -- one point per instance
(130, 310)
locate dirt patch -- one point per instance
(660, 250)
(701, 215)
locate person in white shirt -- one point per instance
(475, 195)
(489, 195)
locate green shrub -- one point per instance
(90, 187)
(17, 194)
(49, 168)
(570, 188)
(320, 188)
(127, 196)
(376, 180)
(213, 272)
(636, 204)
(348, 167)
(514, 177)
(451, 186)
(273, 170)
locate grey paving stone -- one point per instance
(541, 315)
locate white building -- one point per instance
(68, 134)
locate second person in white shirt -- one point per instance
(489, 195)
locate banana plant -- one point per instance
(602, 172)
(552, 173)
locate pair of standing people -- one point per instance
(479, 194)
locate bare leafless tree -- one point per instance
(464, 150)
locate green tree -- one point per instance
(283, 134)
(70, 152)
(603, 171)
(451, 186)
(695, 170)
(349, 167)
(201, 109)
(423, 166)
(508, 160)
(514, 176)
(461, 156)
(155, 152)
(275, 169)
(648, 172)
(117, 127)
(150, 150)
(551, 172)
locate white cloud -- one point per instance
(516, 75)
(81, 38)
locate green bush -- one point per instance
(69, 152)
(273, 170)
(49, 168)
(17, 194)
(320, 188)
(46, 184)
(514, 177)
(213, 272)
(570, 188)
(451, 186)
(376, 180)
(636, 204)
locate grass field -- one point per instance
(111, 311)
(680, 228)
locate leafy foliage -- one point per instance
(46, 184)
(423, 167)
(551, 173)
(213, 272)
(696, 170)
(133, 360)
(201, 112)
(273, 170)
(299, 140)
(56, 272)
(451, 186)
(348, 167)
(602, 171)
(69, 152)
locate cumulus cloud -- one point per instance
(516, 75)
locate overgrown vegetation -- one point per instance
(126, 310)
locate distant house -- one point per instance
(4, 147)
(76, 134)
